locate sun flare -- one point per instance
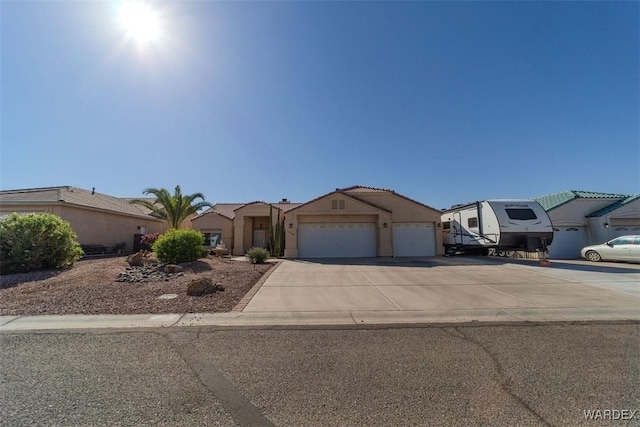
(140, 21)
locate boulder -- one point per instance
(135, 260)
(172, 268)
(201, 286)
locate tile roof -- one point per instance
(73, 196)
(363, 189)
(228, 209)
(285, 207)
(614, 206)
(552, 201)
(224, 209)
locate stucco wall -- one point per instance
(576, 211)
(403, 210)
(248, 218)
(623, 221)
(94, 226)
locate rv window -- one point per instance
(472, 222)
(446, 225)
(521, 214)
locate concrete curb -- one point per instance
(345, 318)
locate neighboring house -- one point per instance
(356, 221)
(97, 219)
(240, 226)
(582, 218)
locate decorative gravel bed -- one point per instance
(92, 287)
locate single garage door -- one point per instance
(336, 240)
(567, 242)
(414, 239)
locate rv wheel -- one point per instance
(593, 256)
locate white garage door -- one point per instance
(567, 242)
(622, 230)
(331, 240)
(414, 239)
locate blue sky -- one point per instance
(444, 102)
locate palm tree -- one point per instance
(172, 208)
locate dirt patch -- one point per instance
(90, 287)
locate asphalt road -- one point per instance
(467, 375)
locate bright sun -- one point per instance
(140, 21)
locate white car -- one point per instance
(623, 248)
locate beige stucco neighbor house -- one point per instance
(582, 218)
(240, 226)
(362, 221)
(97, 219)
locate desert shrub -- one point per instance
(36, 241)
(177, 246)
(257, 255)
(147, 241)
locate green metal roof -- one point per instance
(612, 207)
(553, 201)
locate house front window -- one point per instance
(212, 237)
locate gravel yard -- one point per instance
(91, 287)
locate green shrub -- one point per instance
(257, 255)
(177, 246)
(36, 241)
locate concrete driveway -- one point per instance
(458, 288)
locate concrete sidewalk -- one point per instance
(240, 319)
(433, 290)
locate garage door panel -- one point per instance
(414, 239)
(336, 240)
(567, 242)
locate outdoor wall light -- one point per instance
(439, 225)
(290, 225)
(384, 225)
(606, 225)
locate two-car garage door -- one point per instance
(337, 240)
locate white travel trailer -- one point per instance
(501, 225)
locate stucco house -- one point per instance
(240, 226)
(582, 218)
(97, 219)
(356, 221)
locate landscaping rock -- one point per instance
(146, 273)
(172, 268)
(201, 286)
(135, 260)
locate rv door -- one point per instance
(457, 228)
